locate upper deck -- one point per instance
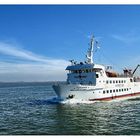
(90, 73)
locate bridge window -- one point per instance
(90, 70)
(80, 71)
(86, 71)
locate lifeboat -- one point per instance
(111, 74)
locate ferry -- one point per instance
(87, 81)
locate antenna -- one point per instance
(72, 61)
(89, 55)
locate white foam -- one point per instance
(80, 101)
(77, 101)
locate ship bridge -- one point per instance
(85, 73)
(80, 66)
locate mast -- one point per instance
(89, 55)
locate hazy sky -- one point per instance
(36, 42)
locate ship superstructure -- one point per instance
(87, 81)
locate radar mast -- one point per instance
(89, 55)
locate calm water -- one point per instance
(28, 109)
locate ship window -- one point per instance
(127, 89)
(80, 71)
(76, 71)
(119, 90)
(97, 76)
(107, 91)
(110, 82)
(122, 89)
(122, 81)
(116, 81)
(116, 90)
(71, 71)
(104, 92)
(110, 91)
(113, 81)
(107, 82)
(119, 81)
(131, 80)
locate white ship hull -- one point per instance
(90, 93)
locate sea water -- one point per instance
(33, 109)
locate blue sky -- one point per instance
(36, 42)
